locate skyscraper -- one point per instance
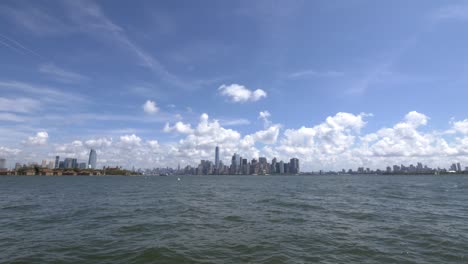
(92, 159)
(294, 165)
(273, 166)
(68, 163)
(217, 158)
(235, 163)
(3, 164)
(57, 159)
(82, 165)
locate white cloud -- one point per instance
(77, 143)
(40, 139)
(416, 119)
(153, 143)
(461, 126)
(61, 74)
(240, 94)
(307, 73)
(45, 93)
(150, 107)
(19, 105)
(337, 142)
(98, 143)
(89, 18)
(8, 152)
(130, 140)
(270, 133)
(9, 117)
(265, 116)
(36, 20)
(209, 134)
(179, 127)
(268, 136)
(234, 122)
(75, 149)
(404, 140)
(336, 135)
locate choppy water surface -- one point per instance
(234, 219)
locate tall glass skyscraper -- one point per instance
(92, 159)
(217, 158)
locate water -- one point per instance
(234, 219)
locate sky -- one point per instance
(337, 84)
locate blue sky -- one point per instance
(77, 74)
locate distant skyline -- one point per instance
(337, 84)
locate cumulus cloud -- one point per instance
(404, 140)
(153, 144)
(416, 119)
(75, 149)
(270, 133)
(207, 135)
(179, 127)
(130, 140)
(461, 126)
(268, 136)
(40, 139)
(241, 94)
(197, 143)
(150, 107)
(98, 143)
(336, 142)
(332, 137)
(7, 152)
(265, 116)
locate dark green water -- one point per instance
(234, 219)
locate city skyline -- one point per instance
(305, 79)
(238, 166)
(243, 166)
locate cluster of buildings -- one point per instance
(72, 163)
(237, 166)
(68, 166)
(456, 167)
(423, 169)
(242, 166)
(419, 168)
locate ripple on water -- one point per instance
(333, 219)
(233, 218)
(21, 207)
(162, 255)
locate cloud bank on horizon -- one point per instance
(161, 85)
